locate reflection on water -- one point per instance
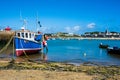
(34, 57)
(116, 56)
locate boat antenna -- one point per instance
(38, 23)
(23, 20)
(25, 23)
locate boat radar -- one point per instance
(22, 28)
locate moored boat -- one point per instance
(113, 50)
(27, 42)
(103, 46)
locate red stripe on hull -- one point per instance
(22, 52)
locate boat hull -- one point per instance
(113, 50)
(23, 46)
(103, 46)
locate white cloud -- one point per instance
(44, 29)
(76, 28)
(91, 25)
(72, 29)
(68, 29)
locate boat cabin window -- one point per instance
(23, 35)
(30, 35)
(26, 34)
(18, 34)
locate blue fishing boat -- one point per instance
(27, 42)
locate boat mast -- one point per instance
(37, 22)
(24, 26)
(38, 25)
(25, 23)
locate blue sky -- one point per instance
(75, 16)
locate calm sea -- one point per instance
(81, 51)
(75, 52)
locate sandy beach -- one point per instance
(56, 71)
(42, 75)
(34, 71)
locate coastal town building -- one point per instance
(105, 34)
(96, 34)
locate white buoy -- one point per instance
(84, 54)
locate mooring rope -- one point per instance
(24, 50)
(8, 43)
(13, 49)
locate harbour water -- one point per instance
(75, 52)
(82, 51)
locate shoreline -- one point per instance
(6, 35)
(82, 38)
(101, 38)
